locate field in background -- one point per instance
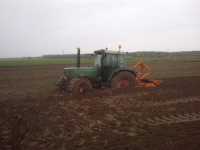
(149, 57)
(163, 65)
(23, 62)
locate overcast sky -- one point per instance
(36, 27)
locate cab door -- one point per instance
(110, 62)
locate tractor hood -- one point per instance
(77, 72)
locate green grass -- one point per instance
(6, 63)
(162, 67)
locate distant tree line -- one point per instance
(67, 56)
(134, 54)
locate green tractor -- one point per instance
(109, 70)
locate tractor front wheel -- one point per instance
(80, 86)
(123, 80)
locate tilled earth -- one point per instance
(167, 117)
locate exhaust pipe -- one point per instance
(78, 58)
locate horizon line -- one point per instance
(128, 51)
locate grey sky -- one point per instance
(36, 27)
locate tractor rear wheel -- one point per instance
(123, 80)
(80, 86)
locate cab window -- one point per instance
(98, 61)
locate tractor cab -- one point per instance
(109, 58)
(107, 62)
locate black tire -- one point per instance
(123, 80)
(80, 86)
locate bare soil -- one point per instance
(34, 115)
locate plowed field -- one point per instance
(35, 116)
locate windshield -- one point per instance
(123, 60)
(98, 60)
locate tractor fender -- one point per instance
(115, 72)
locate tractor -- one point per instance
(109, 70)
